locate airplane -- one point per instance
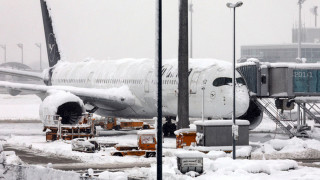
(126, 87)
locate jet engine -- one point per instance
(253, 115)
(68, 106)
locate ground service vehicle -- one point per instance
(146, 146)
(110, 123)
(56, 130)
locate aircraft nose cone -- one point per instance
(242, 101)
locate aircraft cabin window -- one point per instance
(221, 81)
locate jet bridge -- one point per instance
(289, 84)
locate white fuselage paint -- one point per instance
(138, 75)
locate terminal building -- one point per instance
(310, 49)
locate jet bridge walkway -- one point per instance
(279, 87)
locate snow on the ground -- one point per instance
(12, 168)
(226, 168)
(266, 125)
(294, 148)
(9, 129)
(63, 149)
(21, 107)
(217, 164)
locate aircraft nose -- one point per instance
(242, 100)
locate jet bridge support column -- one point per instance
(304, 121)
(298, 117)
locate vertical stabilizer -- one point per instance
(52, 46)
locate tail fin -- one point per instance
(52, 46)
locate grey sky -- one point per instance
(112, 29)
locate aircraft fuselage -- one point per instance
(138, 74)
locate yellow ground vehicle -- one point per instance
(185, 137)
(110, 123)
(146, 146)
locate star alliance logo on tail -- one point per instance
(52, 45)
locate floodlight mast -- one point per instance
(300, 2)
(39, 46)
(234, 6)
(314, 11)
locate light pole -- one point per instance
(191, 12)
(234, 6)
(4, 47)
(158, 69)
(300, 2)
(20, 45)
(39, 46)
(314, 11)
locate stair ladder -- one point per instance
(270, 109)
(313, 110)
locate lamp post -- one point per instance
(39, 46)
(300, 2)
(20, 45)
(4, 47)
(314, 11)
(234, 6)
(158, 69)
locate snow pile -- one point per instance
(222, 122)
(215, 154)
(190, 154)
(11, 167)
(113, 175)
(11, 158)
(255, 60)
(37, 172)
(294, 148)
(244, 151)
(227, 164)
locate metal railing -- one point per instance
(313, 110)
(271, 110)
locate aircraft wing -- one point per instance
(21, 73)
(112, 98)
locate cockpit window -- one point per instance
(221, 81)
(240, 80)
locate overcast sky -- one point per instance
(113, 29)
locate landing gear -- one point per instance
(169, 127)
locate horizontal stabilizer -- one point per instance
(21, 73)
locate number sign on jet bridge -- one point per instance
(281, 79)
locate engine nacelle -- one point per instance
(254, 115)
(68, 106)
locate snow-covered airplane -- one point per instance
(126, 87)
